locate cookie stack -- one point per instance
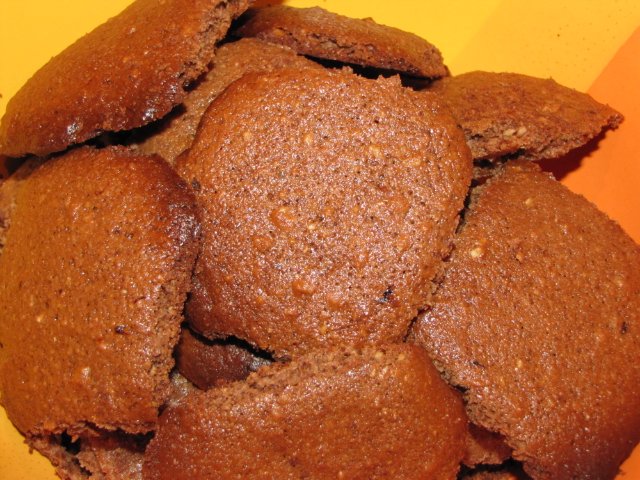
(283, 243)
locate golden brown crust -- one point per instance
(538, 319)
(508, 114)
(212, 363)
(175, 133)
(319, 33)
(124, 74)
(95, 269)
(315, 189)
(379, 413)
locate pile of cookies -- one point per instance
(282, 243)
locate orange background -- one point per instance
(589, 45)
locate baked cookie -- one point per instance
(513, 115)
(322, 34)
(538, 321)
(175, 132)
(129, 71)
(328, 201)
(95, 271)
(209, 364)
(377, 413)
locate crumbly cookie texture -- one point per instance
(328, 202)
(513, 115)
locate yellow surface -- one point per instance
(571, 41)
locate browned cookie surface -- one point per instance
(377, 413)
(508, 114)
(95, 271)
(175, 133)
(126, 73)
(212, 363)
(319, 33)
(538, 320)
(328, 202)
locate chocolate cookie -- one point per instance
(328, 202)
(212, 363)
(175, 132)
(508, 114)
(129, 71)
(379, 413)
(538, 320)
(95, 271)
(319, 33)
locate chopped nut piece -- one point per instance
(302, 286)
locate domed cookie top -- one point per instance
(379, 413)
(538, 320)
(328, 202)
(319, 33)
(175, 133)
(129, 71)
(95, 271)
(508, 114)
